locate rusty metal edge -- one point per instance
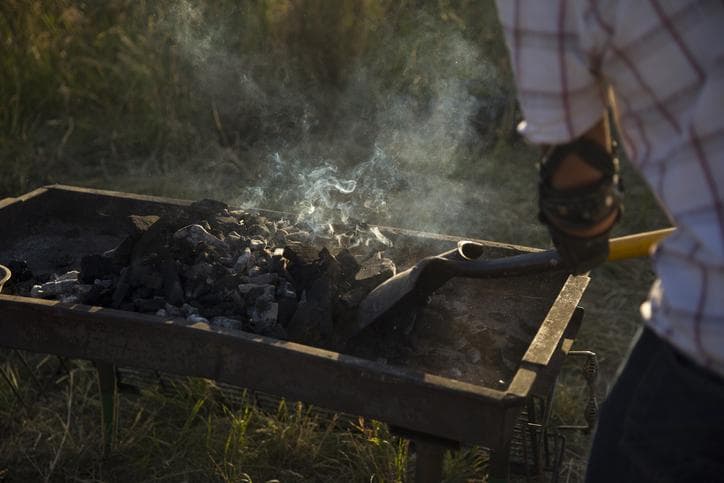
(117, 194)
(5, 202)
(405, 398)
(101, 313)
(550, 334)
(537, 355)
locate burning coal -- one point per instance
(232, 269)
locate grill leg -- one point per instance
(428, 465)
(499, 464)
(108, 389)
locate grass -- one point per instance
(199, 99)
(181, 432)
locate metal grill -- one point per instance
(434, 410)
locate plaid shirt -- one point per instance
(664, 61)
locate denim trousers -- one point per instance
(663, 421)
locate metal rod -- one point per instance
(428, 465)
(108, 389)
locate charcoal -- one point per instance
(95, 266)
(223, 224)
(287, 307)
(72, 275)
(123, 286)
(242, 263)
(189, 310)
(232, 269)
(140, 223)
(298, 253)
(257, 244)
(255, 291)
(20, 271)
(196, 318)
(374, 271)
(145, 275)
(234, 241)
(41, 278)
(127, 306)
(196, 289)
(69, 298)
(98, 295)
(221, 309)
(319, 297)
(263, 316)
(278, 332)
(348, 264)
(105, 283)
(225, 322)
(199, 271)
(151, 305)
(255, 271)
(210, 299)
(256, 230)
(237, 301)
(53, 288)
(154, 240)
(196, 236)
(82, 289)
(353, 297)
(226, 282)
(286, 290)
(63, 285)
(171, 282)
(264, 278)
(142, 292)
(263, 258)
(298, 237)
(473, 356)
(137, 226)
(172, 310)
(303, 264)
(329, 264)
(121, 255)
(302, 327)
(278, 265)
(280, 237)
(312, 322)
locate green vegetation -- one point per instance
(193, 99)
(110, 93)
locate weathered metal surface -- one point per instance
(546, 341)
(408, 399)
(416, 401)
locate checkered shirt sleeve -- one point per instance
(664, 61)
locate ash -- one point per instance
(228, 268)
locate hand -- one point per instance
(579, 196)
(574, 174)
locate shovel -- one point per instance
(409, 289)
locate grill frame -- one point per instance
(426, 407)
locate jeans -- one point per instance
(663, 420)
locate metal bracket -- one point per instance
(590, 373)
(107, 383)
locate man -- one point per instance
(663, 62)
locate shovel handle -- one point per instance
(468, 263)
(636, 245)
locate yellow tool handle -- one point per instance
(637, 245)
